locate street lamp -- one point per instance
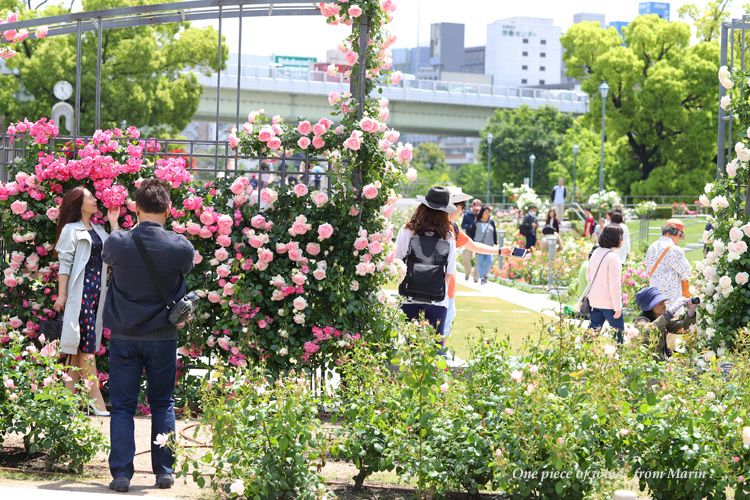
(575, 170)
(603, 90)
(489, 158)
(532, 158)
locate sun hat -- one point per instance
(438, 198)
(648, 297)
(675, 223)
(458, 195)
(476, 202)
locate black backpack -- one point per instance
(426, 265)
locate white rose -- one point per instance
(732, 168)
(725, 282)
(719, 247)
(704, 201)
(724, 102)
(708, 188)
(742, 278)
(725, 78)
(237, 487)
(746, 230)
(746, 436)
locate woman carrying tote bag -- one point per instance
(605, 282)
(82, 287)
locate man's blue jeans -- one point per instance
(127, 360)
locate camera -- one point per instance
(695, 300)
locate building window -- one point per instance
(524, 67)
(542, 68)
(541, 82)
(542, 54)
(525, 40)
(543, 42)
(523, 81)
(525, 54)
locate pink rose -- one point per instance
(265, 255)
(304, 127)
(233, 141)
(53, 213)
(319, 198)
(370, 191)
(224, 240)
(274, 143)
(325, 231)
(355, 11)
(214, 297)
(41, 32)
(404, 153)
(304, 142)
(369, 125)
(312, 248)
(319, 274)
(221, 254)
(18, 207)
(300, 189)
(266, 133)
(360, 243)
(351, 57)
(197, 258)
(318, 142)
(207, 218)
(354, 141)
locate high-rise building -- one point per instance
(447, 46)
(523, 51)
(619, 25)
(587, 16)
(411, 60)
(661, 9)
(473, 60)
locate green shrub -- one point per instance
(35, 404)
(266, 438)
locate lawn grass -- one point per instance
(480, 317)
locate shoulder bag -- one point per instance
(585, 307)
(181, 311)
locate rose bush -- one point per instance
(724, 272)
(290, 276)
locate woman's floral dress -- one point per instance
(92, 286)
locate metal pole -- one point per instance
(239, 72)
(358, 89)
(575, 173)
(77, 121)
(601, 162)
(531, 180)
(489, 164)
(722, 114)
(218, 95)
(97, 119)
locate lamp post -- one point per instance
(532, 159)
(603, 90)
(489, 164)
(575, 170)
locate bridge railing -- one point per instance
(249, 75)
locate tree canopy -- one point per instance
(662, 99)
(145, 81)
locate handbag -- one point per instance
(181, 311)
(585, 306)
(51, 329)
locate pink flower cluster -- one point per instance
(40, 131)
(172, 170)
(323, 335)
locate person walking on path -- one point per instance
(605, 282)
(484, 231)
(469, 218)
(82, 287)
(142, 336)
(427, 245)
(589, 224)
(558, 198)
(666, 264)
(529, 226)
(459, 199)
(618, 219)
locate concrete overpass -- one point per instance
(417, 106)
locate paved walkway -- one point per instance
(540, 302)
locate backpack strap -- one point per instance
(658, 261)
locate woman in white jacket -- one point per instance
(82, 287)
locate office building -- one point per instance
(447, 46)
(619, 25)
(661, 9)
(587, 16)
(473, 60)
(524, 51)
(411, 60)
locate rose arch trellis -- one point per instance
(198, 152)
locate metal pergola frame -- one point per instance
(149, 15)
(732, 33)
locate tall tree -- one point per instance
(708, 21)
(519, 133)
(662, 98)
(144, 82)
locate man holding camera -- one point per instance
(143, 337)
(656, 314)
(668, 268)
